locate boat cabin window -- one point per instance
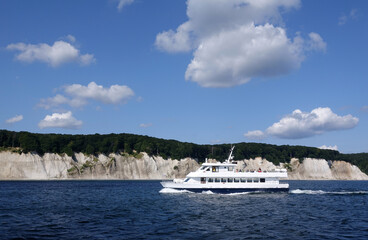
(229, 180)
(236, 179)
(210, 180)
(217, 180)
(230, 169)
(249, 180)
(202, 168)
(223, 180)
(203, 180)
(186, 180)
(262, 180)
(208, 169)
(242, 179)
(256, 180)
(215, 169)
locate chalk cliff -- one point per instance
(309, 169)
(15, 166)
(321, 169)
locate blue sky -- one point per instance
(205, 71)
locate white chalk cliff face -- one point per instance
(327, 170)
(14, 166)
(309, 169)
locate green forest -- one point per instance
(131, 143)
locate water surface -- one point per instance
(142, 210)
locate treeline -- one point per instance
(130, 143)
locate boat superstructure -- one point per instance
(225, 178)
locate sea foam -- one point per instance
(300, 191)
(171, 190)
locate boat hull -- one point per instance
(230, 188)
(234, 190)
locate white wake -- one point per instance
(171, 190)
(300, 191)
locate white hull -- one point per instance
(227, 186)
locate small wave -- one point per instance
(240, 193)
(208, 192)
(171, 190)
(300, 191)
(229, 194)
(350, 193)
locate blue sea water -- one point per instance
(142, 210)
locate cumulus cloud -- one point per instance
(329, 147)
(59, 100)
(53, 101)
(171, 41)
(60, 120)
(300, 124)
(123, 3)
(304, 124)
(210, 17)
(237, 40)
(234, 57)
(55, 55)
(255, 135)
(113, 95)
(15, 119)
(78, 95)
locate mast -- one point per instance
(230, 155)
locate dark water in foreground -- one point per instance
(138, 210)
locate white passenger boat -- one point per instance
(225, 178)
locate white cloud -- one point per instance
(59, 53)
(171, 41)
(86, 59)
(234, 57)
(59, 100)
(53, 102)
(344, 18)
(316, 42)
(145, 125)
(123, 3)
(78, 95)
(113, 95)
(210, 17)
(236, 40)
(304, 124)
(255, 135)
(353, 13)
(329, 147)
(71, 38)
(60, 120)
(15, 119)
